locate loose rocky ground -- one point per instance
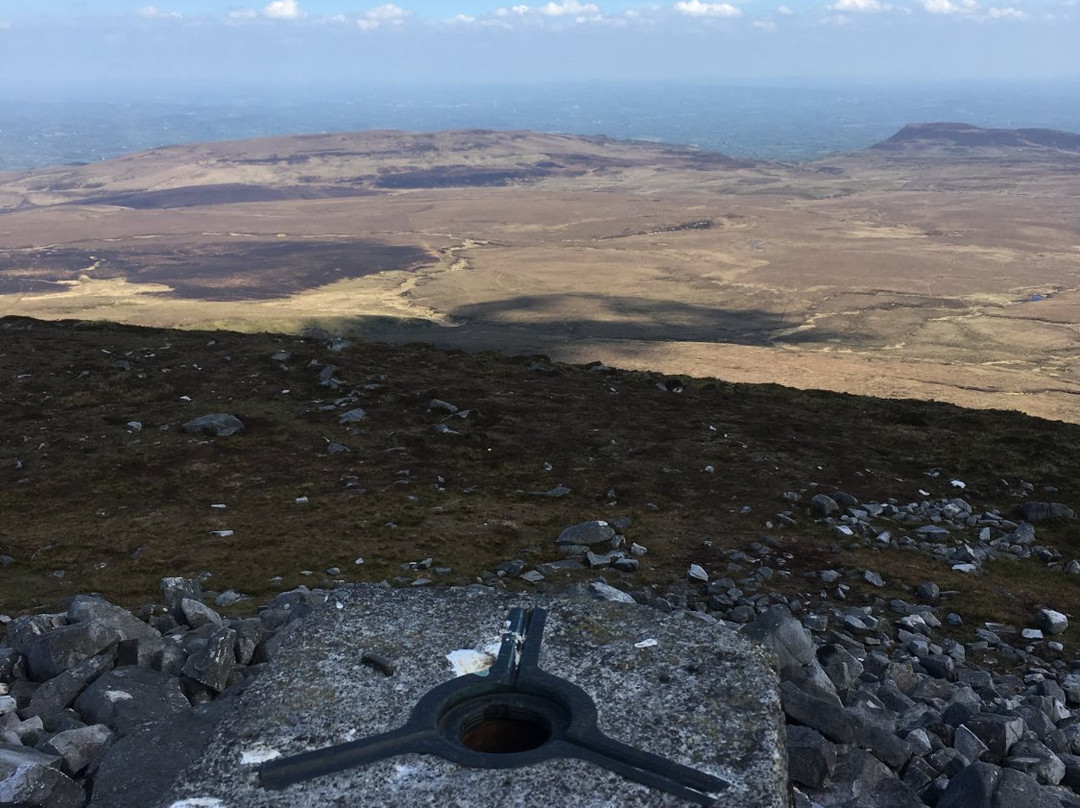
(927, 553)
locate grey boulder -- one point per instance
(127, 697)
(218, 424)
(587, 534)
(982, 785)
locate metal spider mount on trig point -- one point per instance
(514, 714)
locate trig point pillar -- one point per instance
(463, 697)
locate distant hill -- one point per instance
(926, 137)
(331, 166)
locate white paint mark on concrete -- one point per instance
(468, 660)
(258, 754)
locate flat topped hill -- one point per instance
(340, 165)
(961, 138)
(940, 268)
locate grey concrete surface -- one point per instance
(700, 695)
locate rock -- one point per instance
(824, 505)
(41, 786)
(14, 757)
(352, 416)
(249, 634)
(157, 752)
(587, 534)
(126, 697)
(835, 724)
(145, 652)
(81, 747)
(861, 781)
(697, 573)
(53, 653)
(213, 664)
(1051, 622)
(597, 561)
(812, 680)
(928, 592)
(939, 666)
(1041, 511)
(968, 744)
(196, 613)
(982, 785)
(785, 636)
(438, 405)
(230, 597)
(218, 424)
(326, 377)
(60, 691)
(811, 758)
(125, 625)
(998, 732)
(873, 578)
(841, 667)
(174, 590)
(1032, 757)
(605, 591)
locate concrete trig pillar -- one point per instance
(682, 690)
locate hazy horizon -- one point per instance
(767, 119)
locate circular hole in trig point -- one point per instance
(503, 730)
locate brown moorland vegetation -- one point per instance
(93, 502)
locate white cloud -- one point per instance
(765, 25)
(1007, 13)
(949, 7)
(387, 14)
(568, 7)
(155, 13)
(243, 14)
(787, 12)
(860, 5)
(696, 8)
(283, 10)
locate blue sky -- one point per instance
(295, 42)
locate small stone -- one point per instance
(928, 592)
(697, 573)
(873, 578)
(532, 576)
(352, 416)
(196, 613)
(604, 591)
